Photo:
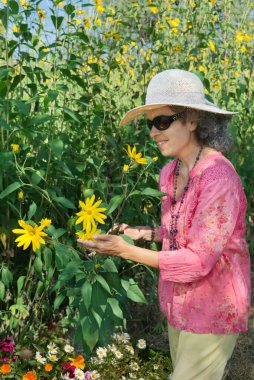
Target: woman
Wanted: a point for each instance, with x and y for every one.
(204, 286)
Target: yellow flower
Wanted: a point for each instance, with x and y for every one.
(20, 195)
(15, 29)
(29, 235)
(15, 147)
(79, 362)
(77, 21)
(126, 168)
(87, 22)
(100, 9)
(4, 1)
(89, 233)
(45, 50)
(243, 49)
(24, 3)
(192, 4)
(90, 212)
(202, 69)
(211, 46)
(41, 14)
(247, 38)
(60, 4)
(239, 37)
(155, 159)
(45, 222)
(98, 22)
(154, 10)
(132, 153)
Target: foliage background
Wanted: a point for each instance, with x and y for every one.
(68, 74)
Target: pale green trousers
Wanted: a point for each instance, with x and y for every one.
(199, 356)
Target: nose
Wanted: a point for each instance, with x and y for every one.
(154, 132)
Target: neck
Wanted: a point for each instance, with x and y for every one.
(189, 158)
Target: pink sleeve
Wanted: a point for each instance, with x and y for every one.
(212, 225)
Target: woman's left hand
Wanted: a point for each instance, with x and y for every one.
(106, 244)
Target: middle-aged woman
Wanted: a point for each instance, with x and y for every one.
(204, 283)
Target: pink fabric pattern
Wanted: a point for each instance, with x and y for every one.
(204, 285)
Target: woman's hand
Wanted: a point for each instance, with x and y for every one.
(135, 233)
(106, 245)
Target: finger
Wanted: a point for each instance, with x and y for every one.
(102, 237)
(87, 243)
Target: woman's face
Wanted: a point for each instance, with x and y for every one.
(179, 139)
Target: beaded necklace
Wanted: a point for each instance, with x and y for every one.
(175, 214)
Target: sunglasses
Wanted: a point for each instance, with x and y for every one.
(163, 122)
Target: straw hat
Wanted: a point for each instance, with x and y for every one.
(174, 88)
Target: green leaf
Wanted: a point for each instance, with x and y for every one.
(47, 256)
(57, 21)
(13, 7)
(65, 202)
(7, 276)
(37, 176)
(134, 293)
(69, 9)
(38, 266)
(103, 283)
(114, 304)
(37, 120)
(114, 203)
(58, 301)
(32, 210)
(53, 94)
(21, 106)
(152, 192)
(127, 239)
(86, 292)
(20, 284)
(57, 147)
(14, 186)
(109, 265)
(2, 291)
(90, 332)
(97, 317)
(71, 114)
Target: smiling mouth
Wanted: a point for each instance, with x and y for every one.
(161, 142)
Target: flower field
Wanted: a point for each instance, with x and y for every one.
(69, 70)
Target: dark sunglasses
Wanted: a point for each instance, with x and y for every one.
(163, 122)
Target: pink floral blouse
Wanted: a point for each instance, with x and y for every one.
(204, 285)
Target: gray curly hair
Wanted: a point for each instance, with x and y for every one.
(212, 129)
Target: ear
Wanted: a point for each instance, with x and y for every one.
(193, 124)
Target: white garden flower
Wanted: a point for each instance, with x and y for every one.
(134, 366)
(79, 374)
(112, 347)
(101, 352)
(130, 349)
(132, 375)
(52, 358)
(65, 377)
(52, 349)
(155, 367)
(94, 375)
(118, 354)
(141, 344)
(124, 338)
(40, 358)
(68, 348)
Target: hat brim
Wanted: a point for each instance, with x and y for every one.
(141, 110)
